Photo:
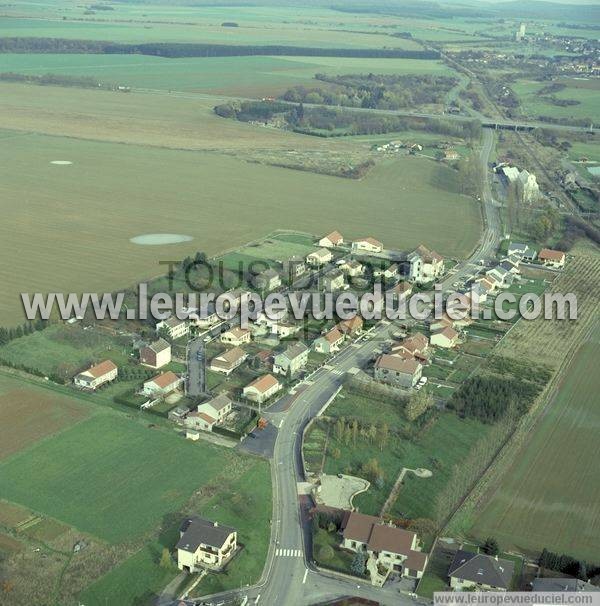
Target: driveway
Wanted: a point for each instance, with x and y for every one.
(339, 492)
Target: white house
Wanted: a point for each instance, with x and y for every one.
(330, 342)
(236, 336)
(335, 238)
(162, 384)
(334, 280)
(268, 280)
(97, 375)
(445, 337)
(367, 245)
(218, 408)
(319, 257)
(292, 360)
(174, 327)
(262, 389)
(424, 265)
(156, 355)
(227, 361)
(204, 545)
(352, 268)
(552, 258)
(524, 251)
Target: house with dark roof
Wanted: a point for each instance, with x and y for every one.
(204, 545)
(524, 251)
(389, 549)
(480, 572)
(156, 355)
(291, 361)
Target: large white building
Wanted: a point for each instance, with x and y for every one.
(424, 265)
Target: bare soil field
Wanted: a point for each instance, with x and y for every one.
(28, 415)
(12, 515)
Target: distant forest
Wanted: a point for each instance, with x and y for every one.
(177, 50)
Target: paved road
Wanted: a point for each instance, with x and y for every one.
(289, 577)
(195, 384)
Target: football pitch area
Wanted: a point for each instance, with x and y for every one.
(549, 497)
(110, 476)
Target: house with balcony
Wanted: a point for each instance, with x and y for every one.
(204, 544)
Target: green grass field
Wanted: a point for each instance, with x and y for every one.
(244, 503)
(110, 476)
(65, 347)
(256, 76)
(438, 448)
(82, 216)
(533, 104)
(549, 497)
(207, 32)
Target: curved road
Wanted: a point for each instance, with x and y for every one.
(290, 578)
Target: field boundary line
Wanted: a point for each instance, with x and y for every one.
(509, 451)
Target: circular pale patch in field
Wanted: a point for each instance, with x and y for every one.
(61, 162)
(160, 239)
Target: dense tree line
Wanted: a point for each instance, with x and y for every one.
(8, 334)
(52, 80)
(329, 121)
(506, 386)
(576, 228)
(488, 398)
(375, 91)
(569, 565)
(192, 49)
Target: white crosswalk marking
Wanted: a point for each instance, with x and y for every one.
(288, 553)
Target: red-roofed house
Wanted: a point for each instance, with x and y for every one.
(445, 337)
(352, 327)
(97, 375)
(330, 342)
(552, 258)
(388, 548)
(162, 384)
(262, 389)
(335, 238)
